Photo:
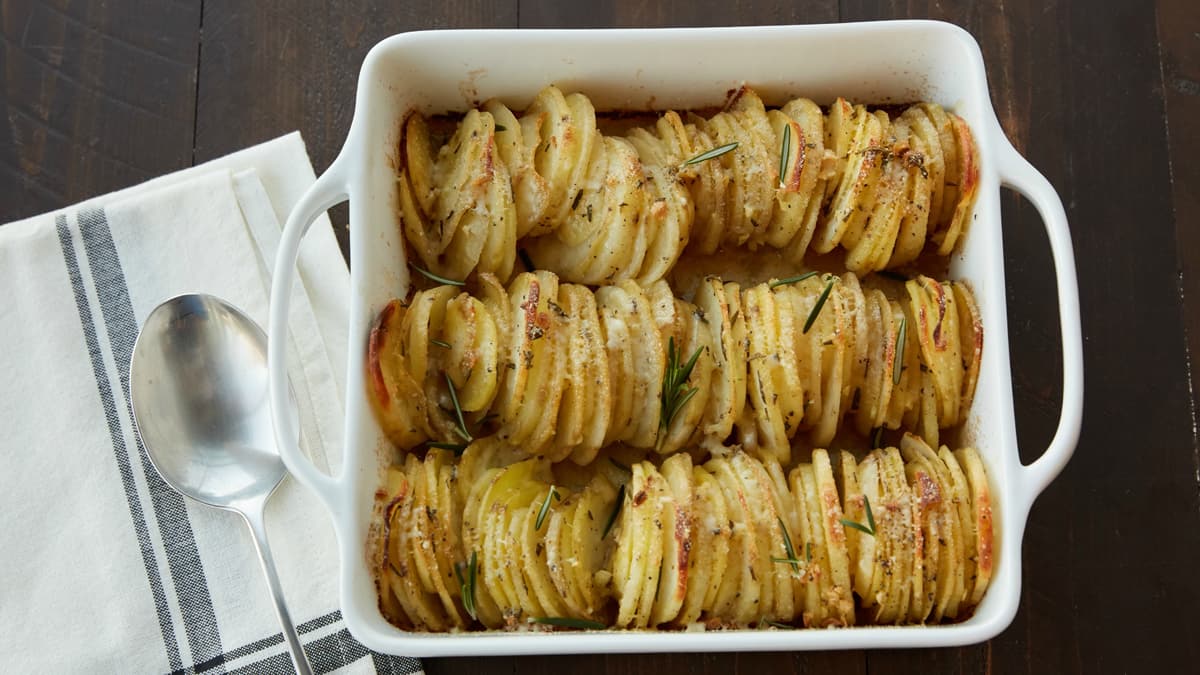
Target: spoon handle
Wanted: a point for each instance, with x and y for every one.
(256, 522)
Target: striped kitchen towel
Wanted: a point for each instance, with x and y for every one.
(103, 568)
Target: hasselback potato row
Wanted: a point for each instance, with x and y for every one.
(903, 536)
(558, 370)
(598, 209)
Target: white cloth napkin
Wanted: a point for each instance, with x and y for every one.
(104, 569)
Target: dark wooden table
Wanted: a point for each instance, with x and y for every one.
(1103, 97)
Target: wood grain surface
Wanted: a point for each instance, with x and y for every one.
(1102, 97)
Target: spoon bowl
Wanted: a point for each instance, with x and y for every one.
(198, 384)
(198, 387)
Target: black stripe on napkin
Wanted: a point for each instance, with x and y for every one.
(118, 440)
(327, 654)
(168, 507)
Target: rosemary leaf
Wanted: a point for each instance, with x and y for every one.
(441, 343)
(791, 560)
(778, 625)
(715, 152)
(541, 516)
(433, 277)
(784, 152)
(674, 393)
(876, 437)
(870, 528)
(787, 544)
(467, 585)
(858, 526)
(816, 310)
(457, 448)
(501, 127)
(792, 280)
(898, 356)
(612, 517)
(461, 429)
(569, 622)
(619, 465)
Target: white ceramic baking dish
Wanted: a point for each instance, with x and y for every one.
(658, 69)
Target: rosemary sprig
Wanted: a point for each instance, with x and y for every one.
(541, 516)
(764, 621)
(898, 357)
(525, 259)
(816, 310)
(569, 622)
(787, 546)
(441, 343)
(434, 277)
(715, 152)
(784, 152)
(792, 280)
(461, 429)
(870, 527)
(466, 586)
(456, 448)
(675, 393)
(612, 517)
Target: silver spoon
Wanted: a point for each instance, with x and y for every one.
(198, 384)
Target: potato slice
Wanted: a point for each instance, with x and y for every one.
(981, 522)
(727, 327)
(532, 559)
(738, 593)
(530, 191)
(937, 332)
(898, 527)
(923, 128)
(813, 573)
(473, 358)
(871, 581)
(710, 181)
(563, 135)
(560, 555)
(914, 223)
(715, 519)
(649, 364)
(762, 331)
(588, 545)
(586, 404)
(840, 600)
(791, 201)
(968, 185)
(778, 599)
(642, 515)
(944, 129)
(397, 399)
(876, 391)
(854, 195)
(874, 247)
(677, 539)
(970, 341)
(929, 506)
(960, 492)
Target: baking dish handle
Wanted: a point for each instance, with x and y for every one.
(1017, 173)
(328, 190)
